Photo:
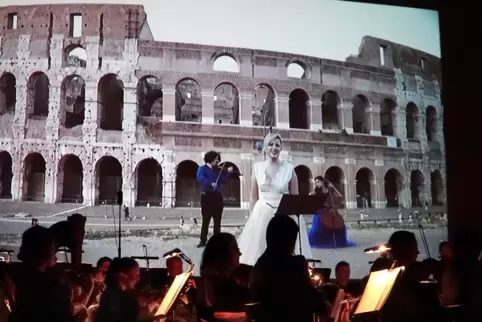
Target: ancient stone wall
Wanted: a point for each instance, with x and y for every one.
(90, 110)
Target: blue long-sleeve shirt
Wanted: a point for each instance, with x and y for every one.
(207, 176)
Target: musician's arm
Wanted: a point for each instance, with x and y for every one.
(201, 177)
(293, 187)
(254, 194)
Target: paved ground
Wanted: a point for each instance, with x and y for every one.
(13, 219)
(39, 210)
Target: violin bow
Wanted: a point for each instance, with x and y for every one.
(220, 171)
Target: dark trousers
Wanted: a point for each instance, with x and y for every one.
(212, 206)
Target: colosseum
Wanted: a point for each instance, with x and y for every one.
(91, 104)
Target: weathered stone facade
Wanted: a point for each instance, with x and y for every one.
(86, 113)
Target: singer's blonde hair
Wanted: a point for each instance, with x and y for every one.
(270, 138)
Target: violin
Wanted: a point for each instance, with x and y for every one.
(223, 168)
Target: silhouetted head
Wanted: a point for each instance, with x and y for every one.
(381, 263)
(319, 181)
(403, 247)
(445, 251)
(221, 255)
(124, 272)
(38, 249)
(174, 265)
(342, 272)
(281, 235)
(212, 157)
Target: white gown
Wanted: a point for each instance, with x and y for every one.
(252, 241)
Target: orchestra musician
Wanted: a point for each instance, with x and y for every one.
(212, 178)
(39, 295)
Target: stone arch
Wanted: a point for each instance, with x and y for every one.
(330, 101)
(8, 93)
(108, 180)
(296, 69)
(34, 168)
(75, 56)
(336, 176)
(38, 87)
(188, 101)
(412, 115)
(264, 107)
(388, 117)
(226, 63)
(70, 171)
(305, 179)
(360, 115)
(149, 97)
(393, 187)
(226, 104)
(72, 101)
(416, 188)
(437, 188)
(110, 102)
(364, 181)
(188, 193)
(6, 175)
(431, 124)
(232, 188)
(299, 109)
(149, 183)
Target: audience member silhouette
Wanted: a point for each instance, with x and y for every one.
(280, 282)
(221, 298)
(408, 300)
(39, 294)
(117, 304)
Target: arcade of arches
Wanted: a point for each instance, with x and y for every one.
(151, 187)
(296, 109)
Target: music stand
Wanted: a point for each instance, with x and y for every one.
(300, 205)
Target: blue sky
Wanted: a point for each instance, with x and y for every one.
(322, 28)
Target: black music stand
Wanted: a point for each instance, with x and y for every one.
(300, 205)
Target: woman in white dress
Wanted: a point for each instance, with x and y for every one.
(270, 180)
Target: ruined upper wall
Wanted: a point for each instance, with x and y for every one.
(409, 60)
(110, 21)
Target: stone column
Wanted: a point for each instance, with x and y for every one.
(129, 117)
(373, 120)
(50, 174)
(20, 118)
(375, 194)
(208, 105)
(246, 168)
(246, 108)
(345, 116)
(406, 195)
(169, 102)
(92, 46)
(17, 169)
(88, 183)
(169, 180)
(319, 166)
(89, 128)
(350, 194)
(53, 119)
(315, 114)
(127, 182)
(350, 187)
(282, 113)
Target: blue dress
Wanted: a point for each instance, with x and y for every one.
(321, 237)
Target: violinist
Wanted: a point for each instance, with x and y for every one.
(212, 178)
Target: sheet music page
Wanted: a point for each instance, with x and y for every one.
(173, 293)
(391, 277)
(335, 309)
(373, 291)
